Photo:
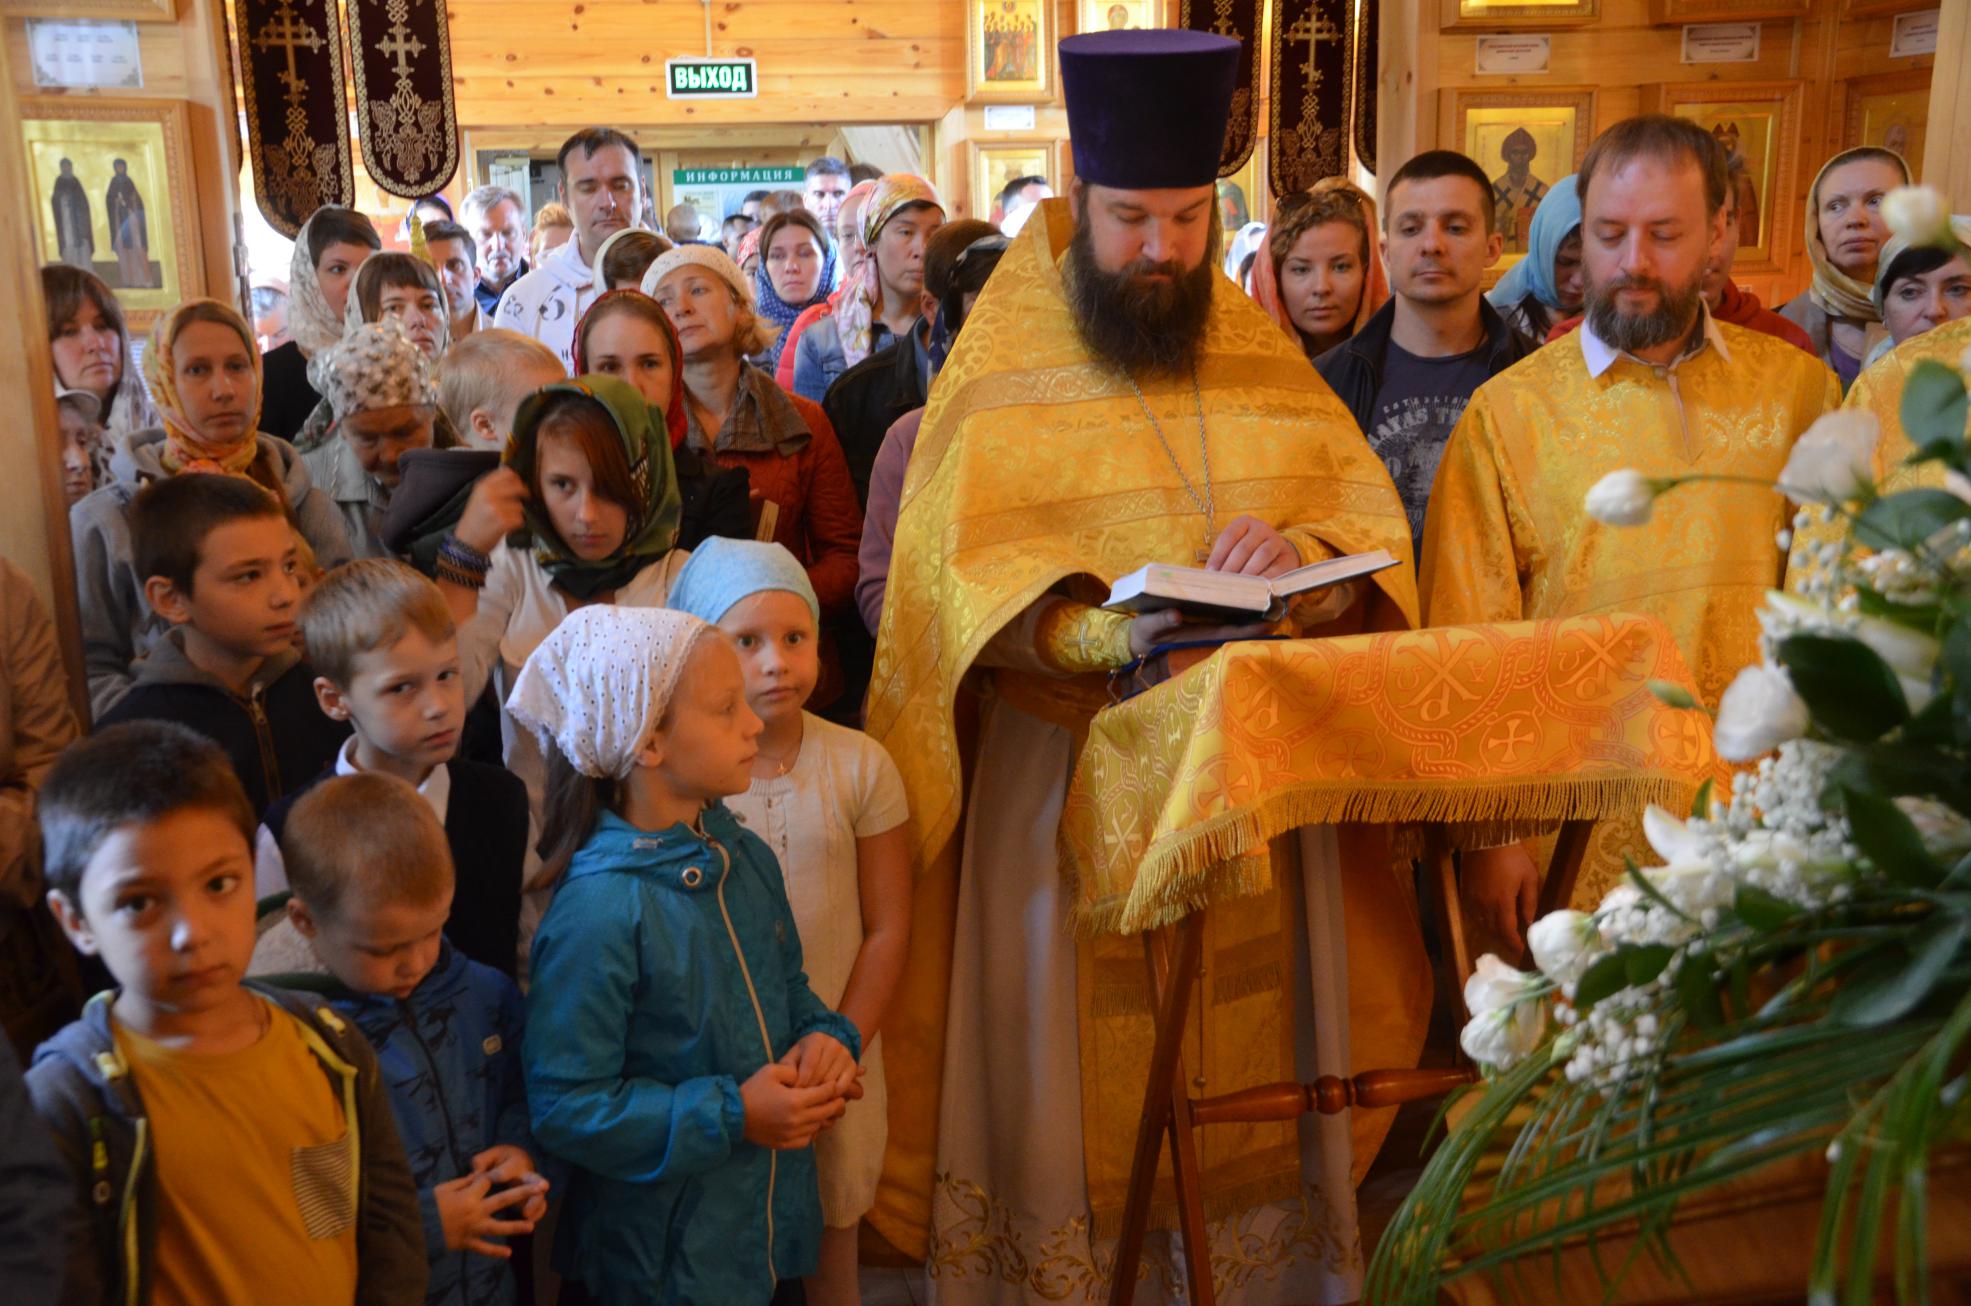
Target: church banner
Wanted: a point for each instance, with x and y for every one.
(1238, 19)
(402, 53)
(1362, 113)
(1313, 66)
(297, 121)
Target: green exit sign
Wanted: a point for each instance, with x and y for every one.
(711, 79)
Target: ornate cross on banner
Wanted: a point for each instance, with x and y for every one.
(1308, 112)
(1238, 19)
(404, 109)
(297, 121)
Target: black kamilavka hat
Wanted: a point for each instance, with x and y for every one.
(1147, 109)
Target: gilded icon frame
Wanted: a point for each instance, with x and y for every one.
(153, 137)
(984, 53)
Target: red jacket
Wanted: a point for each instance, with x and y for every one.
(1738, 306)
(783, 371)
(819, 521)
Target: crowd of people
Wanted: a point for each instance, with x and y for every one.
(534, 705)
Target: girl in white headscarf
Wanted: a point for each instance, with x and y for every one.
(328, 249)
(669, 1018)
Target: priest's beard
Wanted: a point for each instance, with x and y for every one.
(1673, 317)
(1142, 327)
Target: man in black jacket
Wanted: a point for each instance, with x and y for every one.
(1407, 375)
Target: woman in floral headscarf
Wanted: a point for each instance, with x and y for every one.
(328, 249)
(378, 384)
(879, 303)
(204, 376)
(588, 478)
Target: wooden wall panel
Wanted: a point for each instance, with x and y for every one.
(553, 63)
(1621, 54)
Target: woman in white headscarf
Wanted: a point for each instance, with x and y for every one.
(328, 249)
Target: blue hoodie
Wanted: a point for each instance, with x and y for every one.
(450, 1057)
(666, 971)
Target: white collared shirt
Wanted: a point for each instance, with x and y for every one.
(1600, 355)
(270, 868)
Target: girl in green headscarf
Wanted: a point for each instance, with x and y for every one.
(584, 510)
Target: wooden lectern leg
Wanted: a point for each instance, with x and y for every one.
(1186, 1176)
(1557, 890)
(1171, 999)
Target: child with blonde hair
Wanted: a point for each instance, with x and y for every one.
(676, 1057)
(829, 803)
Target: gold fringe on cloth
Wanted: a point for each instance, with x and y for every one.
(297, 120)
(401, 52)
(1504, 728)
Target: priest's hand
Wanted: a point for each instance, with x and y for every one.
(1169, 627)
(1500, 890)
(1249, 547)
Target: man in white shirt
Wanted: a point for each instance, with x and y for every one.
(602, 186)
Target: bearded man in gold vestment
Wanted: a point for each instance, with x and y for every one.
(1649, 381)
(1113, 402)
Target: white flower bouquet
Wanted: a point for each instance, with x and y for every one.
(1795, 977)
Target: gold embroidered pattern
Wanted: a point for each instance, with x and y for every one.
(975, 1235)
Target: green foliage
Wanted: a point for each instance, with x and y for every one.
(1848, 687)
(1837, 1023)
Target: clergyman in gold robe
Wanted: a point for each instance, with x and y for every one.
(1649, 381)
(1112, 401)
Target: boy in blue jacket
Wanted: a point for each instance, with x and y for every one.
(372, 883)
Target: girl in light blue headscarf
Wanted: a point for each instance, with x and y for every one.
(1547, 285)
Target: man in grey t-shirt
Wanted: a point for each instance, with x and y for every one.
(1408, 374)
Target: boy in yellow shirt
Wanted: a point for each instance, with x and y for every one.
(227, 1142)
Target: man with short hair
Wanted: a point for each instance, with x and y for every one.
(681, 224)
(455, 257)
(1653, 382)
(827, 183)
(1727, 300)
(732, 233)
(496, 217)
(1114, 402)
(602, 186)
(750, 206)
(1408, 373)
(898, 220)
(1020, 192)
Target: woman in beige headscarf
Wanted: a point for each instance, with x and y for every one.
(1845, 233)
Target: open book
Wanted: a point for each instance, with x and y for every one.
(1222, 595)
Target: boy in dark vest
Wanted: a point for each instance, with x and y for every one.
(385, 653)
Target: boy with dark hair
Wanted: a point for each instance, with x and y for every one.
(220, 563)
(386, 658)
(224, 1141)
(372, 886)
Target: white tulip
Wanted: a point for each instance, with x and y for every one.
(1621, 498)
(1561, 942)
(1920, 216)
(1908, 652)
(1835, 460)
(1758, 713)
(1693, 888)
(1674, 841)
(1494, 985)
(1501, 1038)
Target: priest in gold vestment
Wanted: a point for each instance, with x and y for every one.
(1112, 401)
(1649, 381)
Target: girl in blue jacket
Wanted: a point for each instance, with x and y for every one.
(676, 1057)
